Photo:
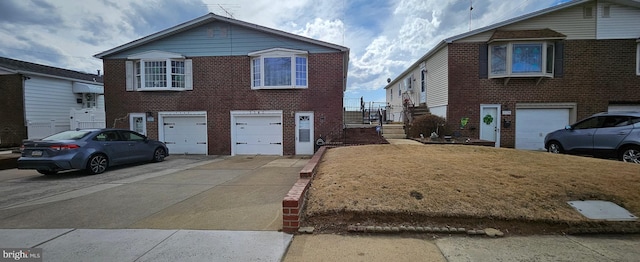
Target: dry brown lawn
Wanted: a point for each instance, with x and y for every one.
(414, 182)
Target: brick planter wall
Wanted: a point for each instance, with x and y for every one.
(293, 203)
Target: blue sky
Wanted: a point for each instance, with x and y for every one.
(384, 36)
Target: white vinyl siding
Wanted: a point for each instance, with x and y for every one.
(47, 102)
(570, 22)
(622, 22)
(438, 80)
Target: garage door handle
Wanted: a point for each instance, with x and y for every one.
(240, 143)
(276, 143)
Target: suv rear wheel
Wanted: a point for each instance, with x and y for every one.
(630, 154)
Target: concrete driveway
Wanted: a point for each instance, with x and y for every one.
(192, 192)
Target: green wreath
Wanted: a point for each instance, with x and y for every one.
(488, 119)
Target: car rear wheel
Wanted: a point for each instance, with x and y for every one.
(47, 172)
(159, 154)
(554, 147)
(97, 164)
(630, 154)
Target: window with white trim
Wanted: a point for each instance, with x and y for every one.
(159, 71)
(279, 68)
(521, 59)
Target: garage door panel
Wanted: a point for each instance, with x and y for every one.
(532, 125)
(185, 134)
(258, 135)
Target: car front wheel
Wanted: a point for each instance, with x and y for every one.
(631, 154)
(554, 147)
(159, 154)
(97, 164)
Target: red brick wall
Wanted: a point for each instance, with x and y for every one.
(223, 84)
(596, 73)
(12, 129)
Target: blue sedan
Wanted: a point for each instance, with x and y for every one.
(93, 150)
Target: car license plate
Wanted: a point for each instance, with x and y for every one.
(36, 153)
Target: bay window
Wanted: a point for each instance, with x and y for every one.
(521, 59)
(158, 71)
(279, 68)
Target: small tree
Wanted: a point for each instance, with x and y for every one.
(427, 124)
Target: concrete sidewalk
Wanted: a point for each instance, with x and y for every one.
(148, 245)
(336, 248)
(220, 245)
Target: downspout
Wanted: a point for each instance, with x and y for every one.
(24, 105)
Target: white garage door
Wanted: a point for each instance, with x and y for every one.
(185, 134)
(618, 108)
(258, 135)
(532, 125)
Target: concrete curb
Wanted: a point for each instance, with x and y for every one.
(293, 202)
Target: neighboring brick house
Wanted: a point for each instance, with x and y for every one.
(220, 86)
(39, 100)
(515, 81)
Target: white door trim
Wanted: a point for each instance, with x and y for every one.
(143, 116)
(497, 119)
(305, 148)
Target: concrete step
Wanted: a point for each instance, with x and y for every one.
(393, 131)
(394, 136)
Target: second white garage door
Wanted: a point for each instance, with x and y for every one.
(185, 134)
(257, 135)
(532, 125)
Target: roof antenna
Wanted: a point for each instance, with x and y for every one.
(470, 9)
(225, 10)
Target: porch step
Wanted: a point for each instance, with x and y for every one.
(419, 111)
(393, 131)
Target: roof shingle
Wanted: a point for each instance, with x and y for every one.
(22, 66)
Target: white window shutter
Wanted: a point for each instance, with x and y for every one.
(188, 75)
(129, 75)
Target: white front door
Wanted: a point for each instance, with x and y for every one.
(490, 123)
(304, 133)
(138, 123)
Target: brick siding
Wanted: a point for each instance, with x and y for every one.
(596, 73)
(223, 84)
(13, 129)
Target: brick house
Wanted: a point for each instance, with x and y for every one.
(220, 86)
(515, 81)
(39, 100)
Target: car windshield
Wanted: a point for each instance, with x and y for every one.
(68, 135)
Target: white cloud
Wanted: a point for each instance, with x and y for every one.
(384, 36)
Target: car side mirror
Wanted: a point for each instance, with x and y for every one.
(568, 127)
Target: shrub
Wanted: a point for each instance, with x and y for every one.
(427, 124)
